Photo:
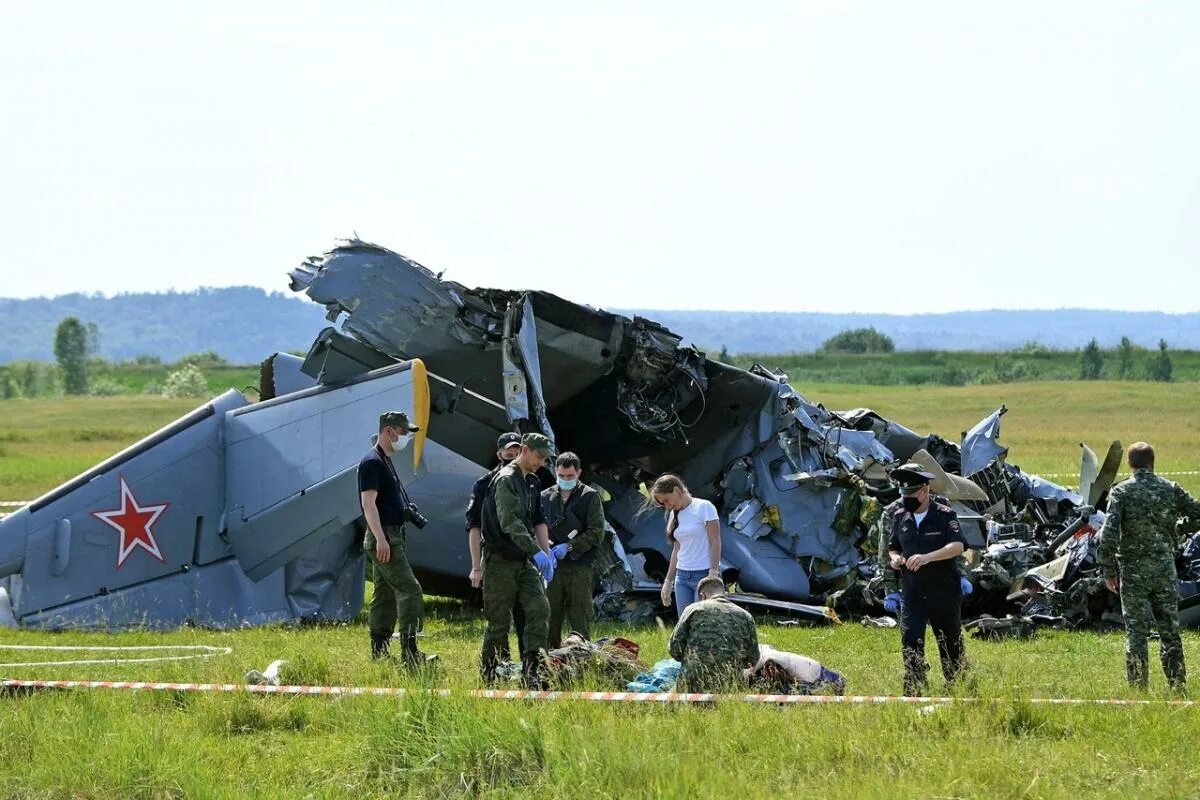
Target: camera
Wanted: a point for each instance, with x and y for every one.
(416, 517)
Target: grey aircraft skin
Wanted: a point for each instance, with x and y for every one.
(247, 513)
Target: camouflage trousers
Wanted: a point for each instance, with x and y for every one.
(1149, 596)
(397, 596)
(570, 596)
(505, 583)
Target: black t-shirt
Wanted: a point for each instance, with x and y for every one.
(377, 472)
(939, 528)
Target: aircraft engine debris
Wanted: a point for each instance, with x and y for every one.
(246, 513)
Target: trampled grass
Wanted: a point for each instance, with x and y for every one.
(107, 744)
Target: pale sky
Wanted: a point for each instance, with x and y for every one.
(841, 156)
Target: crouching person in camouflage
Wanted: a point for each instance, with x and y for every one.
(714, 640)
(1137, 557)
(516, 562)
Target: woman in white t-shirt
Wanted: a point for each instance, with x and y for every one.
(695, 536)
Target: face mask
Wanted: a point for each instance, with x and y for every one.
(401, 441)
(911, 504)
(567, 485)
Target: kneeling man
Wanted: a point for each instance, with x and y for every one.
(715, 641)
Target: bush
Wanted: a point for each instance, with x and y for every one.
(953, 376)
(209, 358)
(859, 340)
(187, 381)
(106, 387)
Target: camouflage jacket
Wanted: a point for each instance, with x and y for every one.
(511, 511)
(1139, 531)
(714, 640)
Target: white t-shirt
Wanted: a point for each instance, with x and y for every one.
(692, 536)
(921, 517)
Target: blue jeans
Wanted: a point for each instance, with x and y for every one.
(686, 581)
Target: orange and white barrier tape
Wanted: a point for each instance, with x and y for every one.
(608, 697)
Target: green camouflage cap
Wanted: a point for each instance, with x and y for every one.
(539, 442)
(396, 419)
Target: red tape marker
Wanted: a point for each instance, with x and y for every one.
(606, 697)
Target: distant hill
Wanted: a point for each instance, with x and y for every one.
(1062, 329)
(246, 324)
(242, 323)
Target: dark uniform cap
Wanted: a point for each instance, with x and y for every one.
(396, 419)
(507, 440)
(539, 442)
(911, 477)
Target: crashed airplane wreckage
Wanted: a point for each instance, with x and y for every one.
(247, 513)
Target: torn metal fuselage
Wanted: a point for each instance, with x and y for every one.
(634, 402)
(246, 513)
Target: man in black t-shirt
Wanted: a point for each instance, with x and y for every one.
(397, 596)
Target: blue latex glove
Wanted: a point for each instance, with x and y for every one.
(891, 602)
(965, 585)
(559, 551)
(545, 564)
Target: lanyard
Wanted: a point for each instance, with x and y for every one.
(391, 468)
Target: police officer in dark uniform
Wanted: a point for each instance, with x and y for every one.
(507, 447)
(925, 538)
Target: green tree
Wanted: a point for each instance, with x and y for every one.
(1125, 359)
(1091, 362)
(71, 350)
(1159, 368)
(28, 380)
(859, 340)
(8, 387)
(723, 356)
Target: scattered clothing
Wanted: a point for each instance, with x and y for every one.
(662, 677)
(781, 672)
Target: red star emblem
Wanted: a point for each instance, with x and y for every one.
(134, 523)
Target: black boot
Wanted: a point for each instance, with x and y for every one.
(379, 647)
(535, 673)
(413, 657)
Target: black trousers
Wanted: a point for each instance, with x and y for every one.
(940, 610)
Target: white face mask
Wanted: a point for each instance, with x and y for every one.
(402, 441)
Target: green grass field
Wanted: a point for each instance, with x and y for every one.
(117, 745)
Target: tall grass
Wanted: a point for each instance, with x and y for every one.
(121, 745)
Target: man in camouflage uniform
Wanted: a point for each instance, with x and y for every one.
(508, 446)
(516, 562)
(714, 640)
(575, 516)
(386, 507)
(1137, 558)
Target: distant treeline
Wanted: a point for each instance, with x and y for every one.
(245, 325)
(148, 375)
(144, 375)
(960, 368)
